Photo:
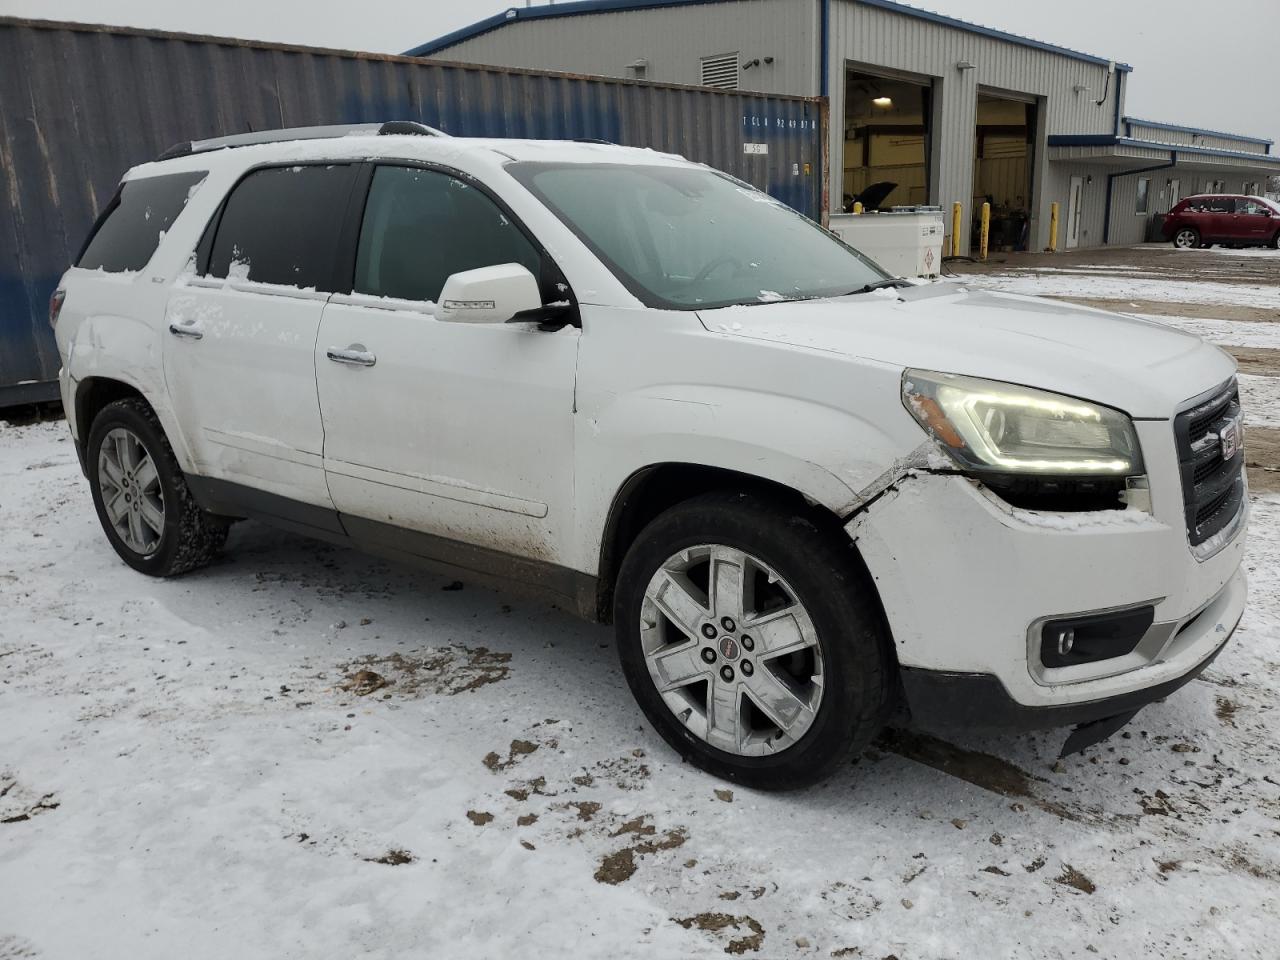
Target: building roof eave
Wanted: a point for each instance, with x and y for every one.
(578, 7)
(1160, 125)
(1122, 146)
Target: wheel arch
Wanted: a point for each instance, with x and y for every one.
(655, 488)
(94, 393)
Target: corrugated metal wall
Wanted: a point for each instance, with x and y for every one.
(1162, 134)
(672, 39)
(80, 105)
(1194, 173)
(1093, 199)
(876, 37)
(1128, 226)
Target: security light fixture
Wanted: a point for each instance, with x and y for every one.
(883, 101)
(964, 65)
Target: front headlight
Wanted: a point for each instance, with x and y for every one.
(992, 427)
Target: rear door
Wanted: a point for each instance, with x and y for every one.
(463, 432)
(239, 351)
(1218, 218)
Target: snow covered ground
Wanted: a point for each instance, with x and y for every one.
(1064, 282)
(1260, 398)
(213, 767)
(303, 752)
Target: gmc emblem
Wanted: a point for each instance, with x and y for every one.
(1229, 437)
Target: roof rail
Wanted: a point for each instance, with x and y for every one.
(300, 133)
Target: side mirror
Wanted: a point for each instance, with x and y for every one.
(488, 294)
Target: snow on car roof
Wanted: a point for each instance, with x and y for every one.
(407, 147)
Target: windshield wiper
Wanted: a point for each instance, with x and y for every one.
(879, 285)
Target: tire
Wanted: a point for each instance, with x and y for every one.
(148, 515)
(1275, 241)
(1186, 238)
(819, 574)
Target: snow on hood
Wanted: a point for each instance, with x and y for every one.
(1143, 368)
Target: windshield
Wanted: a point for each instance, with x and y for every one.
(689, 238)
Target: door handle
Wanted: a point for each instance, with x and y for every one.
(355, 354)
(190, 332)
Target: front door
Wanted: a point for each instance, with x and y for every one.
(1253, 220)
(1074, 204)
(462, 432)
(240, 333)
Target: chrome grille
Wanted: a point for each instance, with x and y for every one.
(1212, 484)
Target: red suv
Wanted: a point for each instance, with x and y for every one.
(1236, 221)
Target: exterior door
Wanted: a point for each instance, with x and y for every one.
(239, 348)
(460, 431)
(1074, 204)
(1220, 218)
(1253, 220)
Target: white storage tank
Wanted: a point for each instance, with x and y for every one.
(906, 241)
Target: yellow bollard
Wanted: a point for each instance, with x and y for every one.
(1053, 227)
(986, 231)
(955, 229)
(857, 206)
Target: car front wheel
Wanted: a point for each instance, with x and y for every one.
(1186, 238)
(141, 495)
(753, 640)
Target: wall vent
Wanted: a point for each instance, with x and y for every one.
(720, 71)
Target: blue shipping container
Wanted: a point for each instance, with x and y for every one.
(81, 104)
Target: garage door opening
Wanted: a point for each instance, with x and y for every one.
(1002, 170)
(886, 141)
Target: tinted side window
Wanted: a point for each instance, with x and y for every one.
(130, 229)
(1220, 205)
(421, 226)
(280, 225)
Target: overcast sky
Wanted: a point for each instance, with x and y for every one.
(1209, 63)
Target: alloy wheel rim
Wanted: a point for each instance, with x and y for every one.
(1184, 239)
(732, 651)
(131, 492)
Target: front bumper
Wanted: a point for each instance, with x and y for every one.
(964, 579)
(939, 699)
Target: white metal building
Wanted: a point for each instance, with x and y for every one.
(941, 109)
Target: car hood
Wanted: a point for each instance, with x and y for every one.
(1143, 368)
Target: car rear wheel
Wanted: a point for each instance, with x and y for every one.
(141, 495)
(1186, 238)
(753, 640)
(1275, 241)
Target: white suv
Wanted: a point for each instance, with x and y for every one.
(806, 494)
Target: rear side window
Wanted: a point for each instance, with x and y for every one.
(421, 226)
(280, 225)
(130, 229)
